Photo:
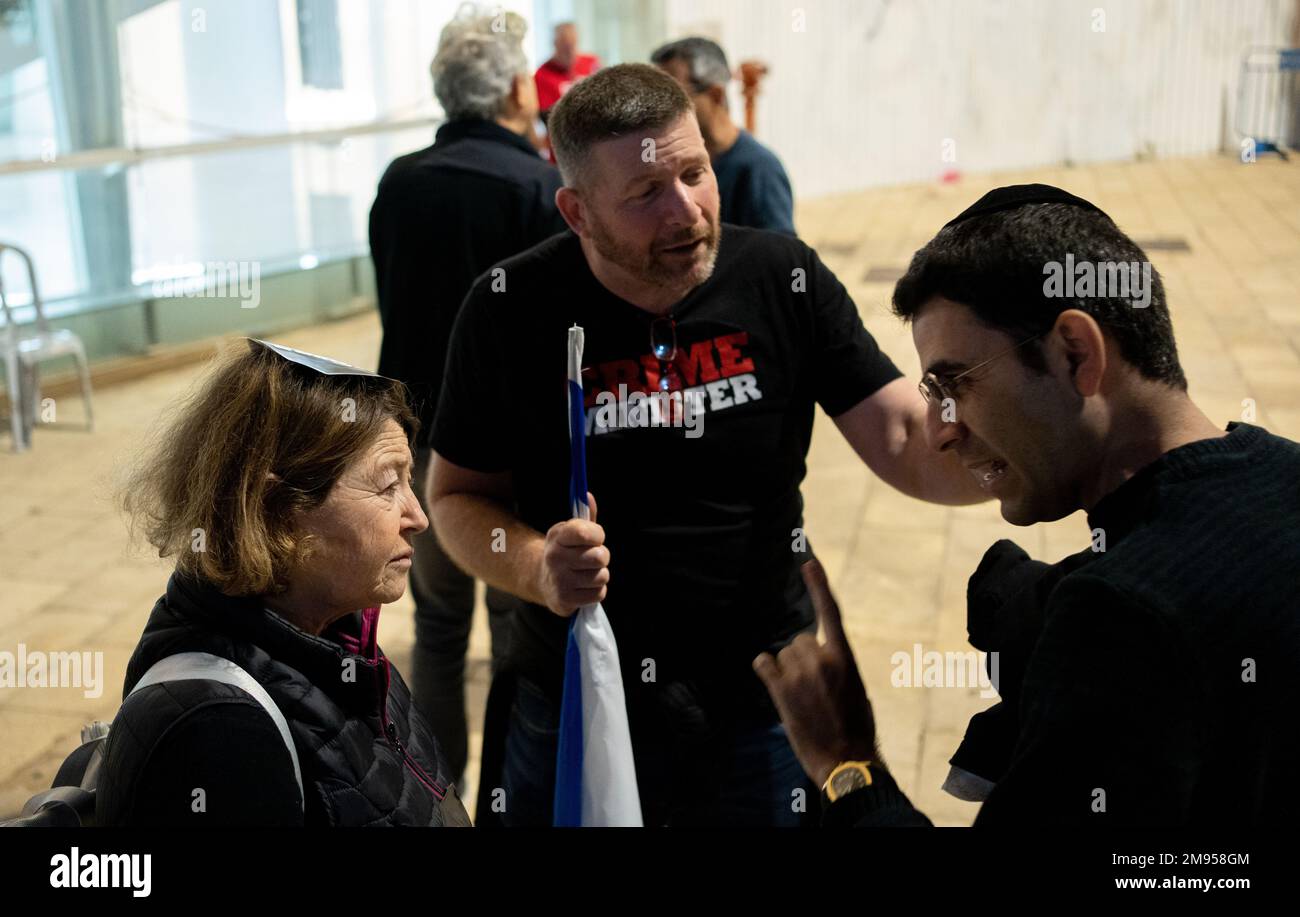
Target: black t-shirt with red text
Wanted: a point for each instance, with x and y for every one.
(697, 489)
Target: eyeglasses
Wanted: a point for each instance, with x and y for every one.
(934, 390)
(663, 344)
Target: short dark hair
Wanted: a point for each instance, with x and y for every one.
(705, 59)
(612, 103)
(994, 264)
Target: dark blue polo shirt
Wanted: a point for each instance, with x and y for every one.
(753, 186)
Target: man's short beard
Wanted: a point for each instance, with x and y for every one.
(649, 267)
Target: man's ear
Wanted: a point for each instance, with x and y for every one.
(569, 202)
(523, 95)
(1085, 349)
(718, 96)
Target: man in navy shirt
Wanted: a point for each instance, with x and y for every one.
(751, 181)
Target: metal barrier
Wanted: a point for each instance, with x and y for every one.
(1267, 99)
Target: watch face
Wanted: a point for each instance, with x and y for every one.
(848, 780)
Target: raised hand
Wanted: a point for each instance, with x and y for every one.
(818, 691)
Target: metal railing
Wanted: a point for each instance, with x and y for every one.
(108, 156)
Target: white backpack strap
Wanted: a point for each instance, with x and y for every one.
(187, 666)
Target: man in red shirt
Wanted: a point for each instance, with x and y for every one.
(565, 68)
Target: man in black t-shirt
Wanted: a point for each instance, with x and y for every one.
(707, 347)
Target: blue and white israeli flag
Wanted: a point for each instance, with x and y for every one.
(595, 779)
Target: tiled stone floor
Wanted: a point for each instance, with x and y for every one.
(70, 580)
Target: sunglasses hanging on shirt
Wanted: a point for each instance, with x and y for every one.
(663, 344)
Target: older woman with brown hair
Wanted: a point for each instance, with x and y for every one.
(258, 693)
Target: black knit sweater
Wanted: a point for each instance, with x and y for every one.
(1162, 687)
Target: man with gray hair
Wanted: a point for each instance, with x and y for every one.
(752, 183)
(443, 216)
(708, 348)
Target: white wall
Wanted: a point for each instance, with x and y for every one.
(869, 91)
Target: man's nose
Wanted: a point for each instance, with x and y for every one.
(682, 208)
(940, 433)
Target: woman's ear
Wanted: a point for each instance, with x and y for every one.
(1085, 349)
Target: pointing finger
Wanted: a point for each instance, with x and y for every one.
(828, 612)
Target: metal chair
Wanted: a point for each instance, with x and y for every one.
(23, 350)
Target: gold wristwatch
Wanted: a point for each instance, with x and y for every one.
(845, 778)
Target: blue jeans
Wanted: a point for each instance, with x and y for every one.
(762, 783)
